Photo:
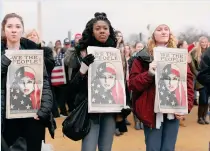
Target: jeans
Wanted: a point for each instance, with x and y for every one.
(203, 97)
(101, 133)
(163, 139)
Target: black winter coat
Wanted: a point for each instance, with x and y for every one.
(203, 76)
(44, 113)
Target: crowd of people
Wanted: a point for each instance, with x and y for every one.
(59, 100)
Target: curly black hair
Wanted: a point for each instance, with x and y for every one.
(87, 36)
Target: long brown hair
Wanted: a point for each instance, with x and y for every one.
(198, 49)
(4, 22)
(171, 43)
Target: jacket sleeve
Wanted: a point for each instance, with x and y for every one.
(46, 100)
(192, 64)
(48, 59)
(204, 74)
(77, 81)
(139, 80)
(5, 62)
(190, 89)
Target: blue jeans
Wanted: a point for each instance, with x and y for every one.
(101, 133)
(163, 139)
(203, 97)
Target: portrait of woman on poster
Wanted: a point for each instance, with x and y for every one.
(24, 92)
(171, 89)
(105, 87)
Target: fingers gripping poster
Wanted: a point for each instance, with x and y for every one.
(171, 80)
(24, 83)
(106, 89)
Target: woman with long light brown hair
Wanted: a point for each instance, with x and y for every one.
(196, 53)
(160, 129)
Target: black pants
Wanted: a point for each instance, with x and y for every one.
(55, 111)
(60, 95)
(31, 130)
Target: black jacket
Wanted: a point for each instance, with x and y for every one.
(44, 112)
(203, 76)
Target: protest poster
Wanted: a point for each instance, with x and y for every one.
(171, 80)
(106, 88)
(24, 83)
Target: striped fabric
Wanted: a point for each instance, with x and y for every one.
(58, 76)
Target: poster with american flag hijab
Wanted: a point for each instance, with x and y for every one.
(171, 80)
(106, 87)
(24, 83)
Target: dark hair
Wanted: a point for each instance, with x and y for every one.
(4, 22)
(180, 43)
(87, 36)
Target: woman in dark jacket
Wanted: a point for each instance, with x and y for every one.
(204, 78)
(31, 129)
(98, 32)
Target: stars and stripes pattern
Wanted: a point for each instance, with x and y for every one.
(20, 101)
(166, 97)
(102, 96)
(58, 76)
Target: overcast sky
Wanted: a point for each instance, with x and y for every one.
(129, 16)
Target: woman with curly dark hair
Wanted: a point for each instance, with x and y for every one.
(98, 32)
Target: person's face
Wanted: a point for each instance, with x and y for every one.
(26, 85)
(67, 46)
(172, 82)
(162, 34)
(185, 45)
(13, 30)
(139, 46)
(127, 51)
(33, 37)
(58, 44)
(77, 38)
(107, 80)
(204, 43)
(119, 37)
(101, 31)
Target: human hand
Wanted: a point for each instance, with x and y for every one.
(36, 117)
(86, 61)
(180, 116)
(152, 68)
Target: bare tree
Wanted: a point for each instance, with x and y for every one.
(192, 34)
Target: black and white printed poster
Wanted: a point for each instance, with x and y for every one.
(24, 83)
(106, 88)
(171, 80)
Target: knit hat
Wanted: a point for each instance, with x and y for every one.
(153, 27)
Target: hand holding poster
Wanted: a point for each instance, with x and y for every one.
(106, 89)
(171, 80)
(24, 83)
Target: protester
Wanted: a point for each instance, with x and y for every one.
(98, 32)
(121, 125)
(66, 43)
(203, 95)
(183, 45)
(33, 35)
(142, 79)
(137, 47)
(204, 76)
(31, 129)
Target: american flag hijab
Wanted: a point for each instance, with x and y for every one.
(167, 97)
(18, 99)
(100, 95)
